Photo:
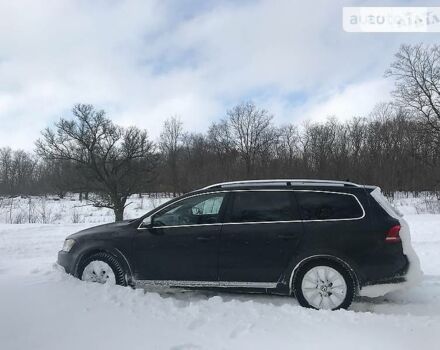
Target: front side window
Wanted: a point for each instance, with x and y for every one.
(328, 206)
(197, 210)
(258, 206)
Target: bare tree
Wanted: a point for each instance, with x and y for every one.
(223, 151)
(250, 131)
(18, 171)
(170, 145)
(63, 176)
(114, 161)
(416, 71)
(5, 169)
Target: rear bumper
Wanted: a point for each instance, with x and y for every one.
(393, 272)
(405, 278)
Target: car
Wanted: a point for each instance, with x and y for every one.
(322, 241)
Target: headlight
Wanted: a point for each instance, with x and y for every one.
(68, 244)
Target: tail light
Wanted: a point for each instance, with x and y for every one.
(392, 235)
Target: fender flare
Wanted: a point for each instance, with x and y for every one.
(109, 250)
(324, 256)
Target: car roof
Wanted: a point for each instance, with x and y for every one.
(276, 184)
(282, 183)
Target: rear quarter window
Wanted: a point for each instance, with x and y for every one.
(328, 205)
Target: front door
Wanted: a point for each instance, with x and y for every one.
(180, 245)
(259, 237)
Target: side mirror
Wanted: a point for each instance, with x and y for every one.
(146, 223)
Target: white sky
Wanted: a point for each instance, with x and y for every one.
(144, 61)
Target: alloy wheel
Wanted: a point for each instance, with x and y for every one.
(324, 287)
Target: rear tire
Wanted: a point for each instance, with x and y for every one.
(102, 268)
(324, 284)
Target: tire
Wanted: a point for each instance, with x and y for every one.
(324, 284)
(102, 268)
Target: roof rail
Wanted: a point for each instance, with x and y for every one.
(286, 182)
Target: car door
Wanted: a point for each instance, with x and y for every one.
(181, 243)
(259, 237)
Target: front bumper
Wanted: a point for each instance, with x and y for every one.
(66, 260)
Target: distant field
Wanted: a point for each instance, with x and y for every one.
(53, 210)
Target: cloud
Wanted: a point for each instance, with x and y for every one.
(355, 100)
(143, 61)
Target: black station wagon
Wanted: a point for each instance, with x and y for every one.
(322, 241)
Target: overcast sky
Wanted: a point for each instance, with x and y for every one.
(144, 61)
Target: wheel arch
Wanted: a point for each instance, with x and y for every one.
(329, 257)
(115, 252)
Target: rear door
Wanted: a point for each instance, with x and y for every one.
(259, 237)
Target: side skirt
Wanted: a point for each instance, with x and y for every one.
(209, 284)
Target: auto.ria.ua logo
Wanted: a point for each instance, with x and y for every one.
(391, 19)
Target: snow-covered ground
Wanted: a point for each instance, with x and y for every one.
(67, 210)
(43, 308)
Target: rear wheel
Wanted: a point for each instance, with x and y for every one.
(102, 268)
(324, 284)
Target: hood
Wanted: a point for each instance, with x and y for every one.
(103, 231)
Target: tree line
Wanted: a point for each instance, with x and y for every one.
(395, 147)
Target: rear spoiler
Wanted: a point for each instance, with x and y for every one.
(370, 188)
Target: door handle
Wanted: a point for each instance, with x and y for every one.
(205, 238)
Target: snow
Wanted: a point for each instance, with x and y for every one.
(43, 308)
(55, 210)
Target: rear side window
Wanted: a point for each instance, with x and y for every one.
(328, 206)
(261, 206)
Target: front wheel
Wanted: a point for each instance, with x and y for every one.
(324, 285)
(101, 268)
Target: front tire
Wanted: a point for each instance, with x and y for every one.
(101, 268)
(324, 284)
